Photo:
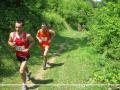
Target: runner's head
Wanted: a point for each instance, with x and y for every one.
(19, 25)
(44, 27)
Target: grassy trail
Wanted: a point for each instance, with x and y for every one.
(71, 70)
(74, 67)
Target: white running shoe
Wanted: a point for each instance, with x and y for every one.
(24, 87)
(48, 65)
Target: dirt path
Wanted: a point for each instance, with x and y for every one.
(40, 72)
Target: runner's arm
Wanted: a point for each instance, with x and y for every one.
(10, 40)
(38, 37)
(31, 40)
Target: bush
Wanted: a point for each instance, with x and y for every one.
(104, 30)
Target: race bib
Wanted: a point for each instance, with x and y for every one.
(20, 48)
(44, 38)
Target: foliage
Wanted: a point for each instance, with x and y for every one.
(104, 27)
(105, 31)
(74, 11)
(108, 72)
(54, 19)
(102, 22)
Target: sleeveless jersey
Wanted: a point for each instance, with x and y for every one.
(45, 37)
(21, 44)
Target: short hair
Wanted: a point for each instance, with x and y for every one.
(44, 24)
(20, 21)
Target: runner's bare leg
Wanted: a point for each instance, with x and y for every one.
(45, 56)
(22, 71)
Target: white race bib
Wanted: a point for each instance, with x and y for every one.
(20, 48)
(44, 38)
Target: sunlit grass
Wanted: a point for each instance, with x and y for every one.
(75, 64)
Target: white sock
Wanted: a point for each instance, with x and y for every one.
(24, 83)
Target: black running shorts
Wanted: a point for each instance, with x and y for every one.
(23, 58)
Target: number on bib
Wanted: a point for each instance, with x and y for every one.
(20, 48)
(44, 38)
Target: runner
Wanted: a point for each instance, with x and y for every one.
(45, 36)
(22, 42)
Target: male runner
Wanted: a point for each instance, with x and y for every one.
(44, 36)
(22, 42)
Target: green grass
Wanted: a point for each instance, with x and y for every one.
(56, 88)
(75, 65)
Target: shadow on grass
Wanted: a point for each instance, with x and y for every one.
(59, 46)
(37, 83)
(8, 65)
(55, 64)
(68, 44)
(7, 72)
